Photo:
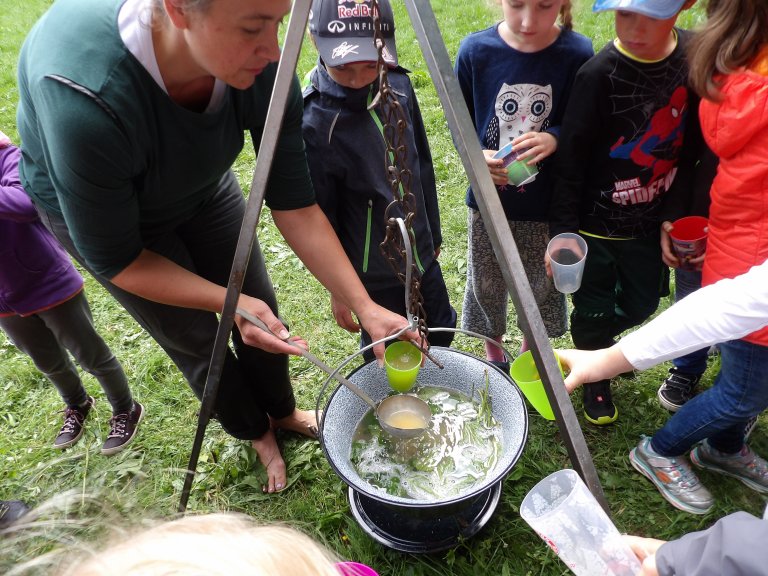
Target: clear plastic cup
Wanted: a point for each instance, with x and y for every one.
(518, 171)
(402, 361)
(567, 255)
(564, 513)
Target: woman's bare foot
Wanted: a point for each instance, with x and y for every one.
(270, 457)
(300, 421)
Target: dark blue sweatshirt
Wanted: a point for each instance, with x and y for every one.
(346, 152)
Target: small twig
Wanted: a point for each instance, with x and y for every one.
(427, 354)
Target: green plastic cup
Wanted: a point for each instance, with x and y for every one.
(525, 374)
(402, 361)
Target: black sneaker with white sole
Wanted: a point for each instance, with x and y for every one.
(677, 389)
(123, 428)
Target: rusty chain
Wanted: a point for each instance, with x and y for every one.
(394, 125)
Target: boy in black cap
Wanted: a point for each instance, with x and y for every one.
(346, 152)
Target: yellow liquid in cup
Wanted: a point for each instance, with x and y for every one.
(404, 361)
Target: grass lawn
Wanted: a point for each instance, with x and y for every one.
(143, 483)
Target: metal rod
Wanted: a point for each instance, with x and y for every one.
(312, 358)
(286, 71)
(466, 142)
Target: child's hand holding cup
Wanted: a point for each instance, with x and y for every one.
(689, 240)
(518, 171)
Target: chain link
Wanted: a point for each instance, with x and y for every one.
(394, 124)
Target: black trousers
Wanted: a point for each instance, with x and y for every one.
(254, 384)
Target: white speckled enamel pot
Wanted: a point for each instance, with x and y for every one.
(414, 525)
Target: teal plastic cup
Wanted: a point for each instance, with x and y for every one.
(402, 361)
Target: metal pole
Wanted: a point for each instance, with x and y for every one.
(286, 72)
(466, 142)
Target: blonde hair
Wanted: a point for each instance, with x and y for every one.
(210, 545)
(734, 34)
(156, 8)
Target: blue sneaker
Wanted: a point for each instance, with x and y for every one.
(673, 477)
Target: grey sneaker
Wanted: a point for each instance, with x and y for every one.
(674, 478)
(123, 429)
(745, 465)
(72, 429)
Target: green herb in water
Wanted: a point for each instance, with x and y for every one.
(461, 446)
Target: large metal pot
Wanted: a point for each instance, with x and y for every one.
(413, 525)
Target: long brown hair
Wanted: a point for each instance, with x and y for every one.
(566, 19)
(734, 33)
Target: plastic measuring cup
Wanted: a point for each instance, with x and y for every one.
(525, 374)
(402, 361)
(567, 254)
(564, 513)
(518, 171)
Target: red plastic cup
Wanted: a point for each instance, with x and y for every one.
(355, 569)
(689, 239)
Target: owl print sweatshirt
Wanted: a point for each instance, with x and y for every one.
(510, 93)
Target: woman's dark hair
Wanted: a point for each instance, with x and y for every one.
(735, 32)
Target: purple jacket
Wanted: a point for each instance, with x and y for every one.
(35, 271)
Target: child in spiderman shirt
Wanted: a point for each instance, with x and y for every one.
(620, 152)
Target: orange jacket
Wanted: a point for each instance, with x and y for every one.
(736, 129)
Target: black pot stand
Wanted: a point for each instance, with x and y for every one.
(423, 530)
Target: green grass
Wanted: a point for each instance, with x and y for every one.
(143, 483)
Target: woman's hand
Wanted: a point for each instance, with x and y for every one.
(380, 323)
(258, 338)
(343, 315)
(533, 147)
(645, 550)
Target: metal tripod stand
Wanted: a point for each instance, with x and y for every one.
(438, 62)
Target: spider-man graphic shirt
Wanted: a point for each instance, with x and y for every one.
(621, 146)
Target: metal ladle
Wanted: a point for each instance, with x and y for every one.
(412, 413)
